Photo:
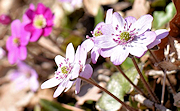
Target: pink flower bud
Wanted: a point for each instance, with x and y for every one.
(5, 19)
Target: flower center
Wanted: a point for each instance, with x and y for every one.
(39, 21)
(16, 41)
(64, 70)
(98, 33)
(125, 36)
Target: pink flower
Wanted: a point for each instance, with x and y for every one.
(125, 36)
(38, 21)
(69, 69)
(89, 43)
(16, 43)
(25, 76)
(5, 19)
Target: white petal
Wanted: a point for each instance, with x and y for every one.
(119, 56)
(75, 71)
(69, 85)
(88, 44)
(95, 54)
(107, 52)
(59, 90)
(137, 50)
(59, 59)
(50, 83)
(118, 20)
(108, 19)
(161, 33)
(70, 52)
(104, 42)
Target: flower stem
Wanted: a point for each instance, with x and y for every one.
(155, 99)
(163, 89)
(103, 89)
(137, 88)
(173, 90)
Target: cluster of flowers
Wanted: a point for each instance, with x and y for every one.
(36, 23)
(117, 38)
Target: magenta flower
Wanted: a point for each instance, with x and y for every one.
(85, 70)
(38, 21)
(89, 43)
(161, 33)
(64, 73)
(124, 37)
(5, 19)
(25, 76)
(16, 43)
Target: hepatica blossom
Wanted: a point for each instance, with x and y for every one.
(25, 76)
(16, 43)
(38, 21)
(125, 36)
(69, 69)
(5, 19)
(89, 43)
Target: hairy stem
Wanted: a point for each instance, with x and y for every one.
(144, 82)
(105, 90)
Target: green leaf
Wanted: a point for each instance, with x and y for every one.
(159, 3)
(127, 64)
(118, 86)
(51, 106)
(161, 17)
(100, 16)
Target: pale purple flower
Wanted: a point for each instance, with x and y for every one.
(124, 37)
(89, 43)
(85, 70)
(5, 19)
(65, 72)
(161, 33)
(16, 43)
(38, 21)
(25, 76)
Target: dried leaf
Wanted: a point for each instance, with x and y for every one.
(140, 7)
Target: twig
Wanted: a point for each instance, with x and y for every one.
(109, 93)
(173, 90)
(163, 88)
(141, 99)
(144, 82)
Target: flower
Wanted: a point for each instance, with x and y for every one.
(161, 33)
(65, 72)
(89, 43)
(38, 21)
(25, 76)
(5, 19)
(124, 37)
(73, 2)
(85, 70)
(16, 43)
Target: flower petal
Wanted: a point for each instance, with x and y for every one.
(12, 56)
(80, 55)
(16, 28)
(70, 52)
(59, 90)
(143, 24)
(22, 52)
(29, 27)
(88, 44)
(78, 85)
(50, 83)
(104, 42)
(119, 56)
(161, 33)
(59, 59)
(118, 20)
(30, 14)
(34, 84)
(40, 8)
(130, 20)
(109, 14)
(137, 49)
(75, 71)
(87, 71)
(95, 54)
(47, 31)
(69, 85)
(36, 35)
(107, 52)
